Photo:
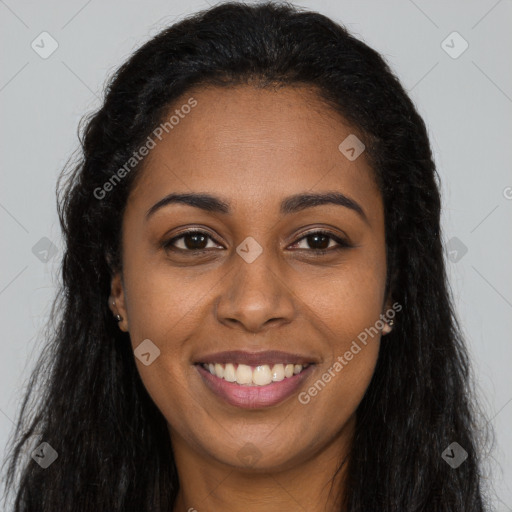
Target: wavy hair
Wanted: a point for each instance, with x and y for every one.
(114, 451)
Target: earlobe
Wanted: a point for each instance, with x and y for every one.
(388, 322)
(116, 302)
(387, 327)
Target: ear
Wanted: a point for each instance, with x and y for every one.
(117, 302)
(387, 328)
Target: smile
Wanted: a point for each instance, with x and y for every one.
(256, 387)
(261, 375)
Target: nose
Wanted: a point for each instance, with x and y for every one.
(255, 297)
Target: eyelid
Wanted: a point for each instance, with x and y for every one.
(168, 243)
(342, 242)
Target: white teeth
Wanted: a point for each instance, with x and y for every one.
(277, 372)
(244, 374)
(229, 373)
(259, 376)
(219, 370)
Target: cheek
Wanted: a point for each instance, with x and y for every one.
(337, 390)
(167, 306)
(162, 307)
(163, 303)
(156, 307)
(349, 324)
(348, 299)
(346, 309)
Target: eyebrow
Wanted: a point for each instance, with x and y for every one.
(289, 205)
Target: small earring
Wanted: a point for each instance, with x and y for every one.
(118, 317)
(391, 322)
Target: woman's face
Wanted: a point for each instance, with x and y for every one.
(254, 280)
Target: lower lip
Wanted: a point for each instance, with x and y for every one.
(253, 397)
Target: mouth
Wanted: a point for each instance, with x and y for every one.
(254, 380)
(261, 375)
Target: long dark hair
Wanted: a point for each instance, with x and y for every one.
(113, 446)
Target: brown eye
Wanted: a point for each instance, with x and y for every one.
(190, 241)
(320, 242)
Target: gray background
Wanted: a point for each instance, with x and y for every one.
(465, 101)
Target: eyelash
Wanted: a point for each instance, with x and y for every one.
(343, 244)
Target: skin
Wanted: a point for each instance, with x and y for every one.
(252, 148)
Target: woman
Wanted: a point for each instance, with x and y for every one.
(255, 311)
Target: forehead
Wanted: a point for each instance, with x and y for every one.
(254, 146)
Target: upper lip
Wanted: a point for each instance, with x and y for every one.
(255, 358)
